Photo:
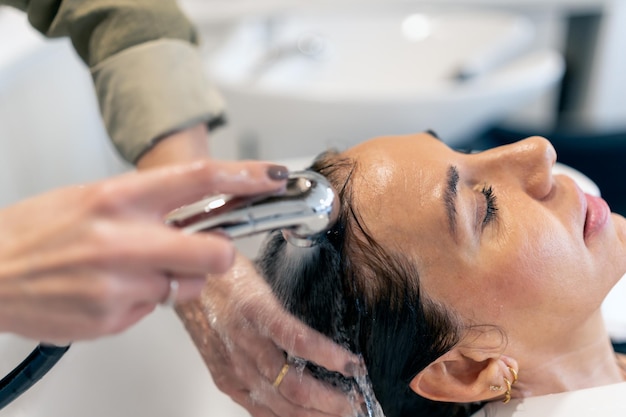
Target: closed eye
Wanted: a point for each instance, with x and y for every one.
(491, 207)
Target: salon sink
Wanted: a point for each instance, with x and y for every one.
(298, 82)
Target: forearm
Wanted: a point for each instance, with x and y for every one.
(151, 92)
(186, 145)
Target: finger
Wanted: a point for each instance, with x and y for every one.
(287, 332)
(301, 388)
(105, 296)
(117, 321)
(299, 340)
(181, 288)
(255, 409)
(164, 288)
(170, 187)
(190, 287)
(63, 326)
(270, 397)
(157, 247)
(191, 254)
(242, 381)
(296, 386)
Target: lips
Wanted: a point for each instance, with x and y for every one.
(597, 216)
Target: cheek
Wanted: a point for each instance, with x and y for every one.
(543, 269)
(531, 271)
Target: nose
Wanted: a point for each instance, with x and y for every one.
(528, 161)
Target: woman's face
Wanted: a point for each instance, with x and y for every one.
(495, 235)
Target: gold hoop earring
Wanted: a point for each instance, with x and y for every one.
(509, 385)
(507, 394)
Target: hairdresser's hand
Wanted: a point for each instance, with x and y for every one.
(86, 261)
(242, 333)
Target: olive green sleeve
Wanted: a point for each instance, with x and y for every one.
(145, 64)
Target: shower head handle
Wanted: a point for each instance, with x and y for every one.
(309, 206)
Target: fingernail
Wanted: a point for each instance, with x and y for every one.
(277, 172)
(364, 409)
(354, 369)
(350, 368)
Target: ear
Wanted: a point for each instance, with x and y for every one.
(464, 375)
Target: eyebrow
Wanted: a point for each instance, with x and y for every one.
(449, 197)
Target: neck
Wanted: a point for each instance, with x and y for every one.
(582, 360)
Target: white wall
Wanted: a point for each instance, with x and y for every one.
(51, 133)
(603, 103)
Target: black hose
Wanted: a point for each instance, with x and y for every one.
(31, 370)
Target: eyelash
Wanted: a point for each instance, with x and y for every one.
(492, 208)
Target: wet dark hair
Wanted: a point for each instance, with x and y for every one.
(366, 298)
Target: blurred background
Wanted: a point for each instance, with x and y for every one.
(299, 77)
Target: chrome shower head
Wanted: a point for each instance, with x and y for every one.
(308, 207)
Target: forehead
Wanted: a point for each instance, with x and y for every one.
(398, 158)
(398, 186)
(396, 146)
(387, 165)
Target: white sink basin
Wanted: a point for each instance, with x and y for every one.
(297, 83)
